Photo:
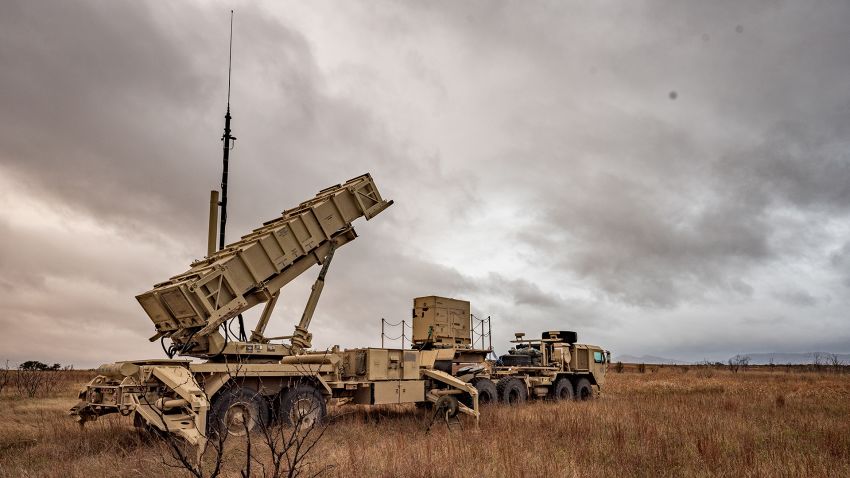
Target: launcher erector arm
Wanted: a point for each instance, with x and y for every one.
(190, 307)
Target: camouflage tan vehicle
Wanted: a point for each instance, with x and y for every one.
(554, 367)
(243, 381)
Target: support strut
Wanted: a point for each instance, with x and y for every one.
(301, 338)
(257, 334)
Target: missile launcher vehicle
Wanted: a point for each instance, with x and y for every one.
(241, 382)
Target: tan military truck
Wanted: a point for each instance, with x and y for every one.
(553, 367)
(241, 382)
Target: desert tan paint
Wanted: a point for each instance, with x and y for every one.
(192, 305)
(441, 321)
(176, 395)
(189, 308)
(441, 327)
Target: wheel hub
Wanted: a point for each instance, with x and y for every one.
(240, 419)
(305, 412)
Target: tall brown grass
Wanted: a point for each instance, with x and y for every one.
(666, 423)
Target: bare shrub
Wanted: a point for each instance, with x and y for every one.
(822, 362)
(618, 367)
(50, 381)
(279, 447)
(204, 460)
(200, 463)
(835, 362)
(35, 379)
(29, 382)
(739, 361)
(5, 376)
(290, 440)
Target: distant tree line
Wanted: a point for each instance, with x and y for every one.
(821, 362)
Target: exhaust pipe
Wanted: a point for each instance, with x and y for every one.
(213, 229)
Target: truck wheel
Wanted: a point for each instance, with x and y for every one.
(487, 393)
(238, 411)
(511, 391)
(563, 389)
(583, 390)
(302, 406)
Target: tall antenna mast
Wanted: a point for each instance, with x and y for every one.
(228, 141)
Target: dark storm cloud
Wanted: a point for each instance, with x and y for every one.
(797, 297)
(840, 261)
(649, 204)
(802, 165)
(90, 91)
(116, 111)
(654, 242)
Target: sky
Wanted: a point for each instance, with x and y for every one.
(665, 178)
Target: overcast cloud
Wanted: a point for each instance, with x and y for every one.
(665, 178)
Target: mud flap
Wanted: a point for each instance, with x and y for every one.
(191, 423)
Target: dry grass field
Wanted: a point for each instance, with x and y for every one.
(673, 421)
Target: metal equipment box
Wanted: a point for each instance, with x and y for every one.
(392, 364)
(398, 391)
(441, 321)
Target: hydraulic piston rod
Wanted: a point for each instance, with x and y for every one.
(301, 338)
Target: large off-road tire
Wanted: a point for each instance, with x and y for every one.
(303, 406)
(487, 393)
(562, 390)
(511, 391)
(583, 390)
(238, 411)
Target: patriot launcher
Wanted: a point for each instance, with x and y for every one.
(193, 308)
(244, 382)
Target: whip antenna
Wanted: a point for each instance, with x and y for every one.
(229, 59)
(228, 140)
